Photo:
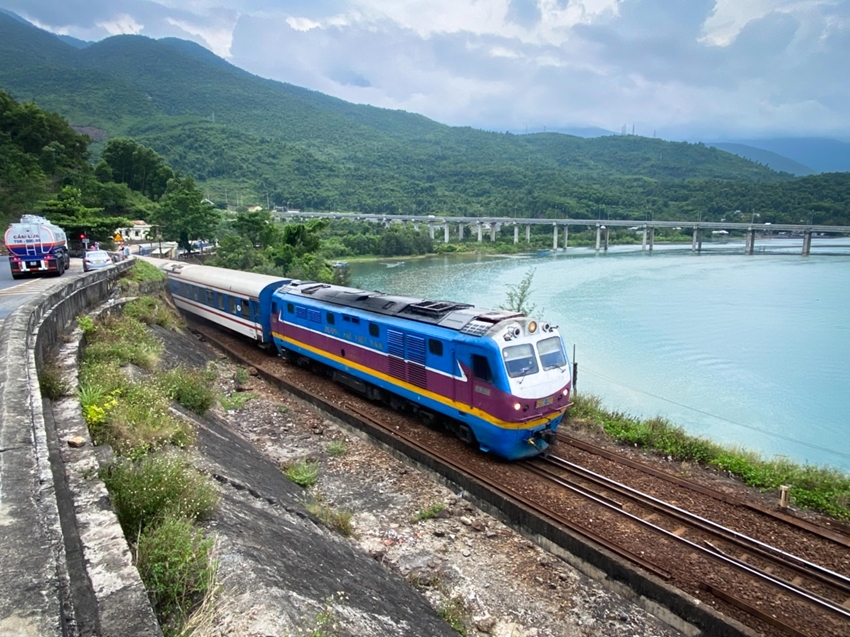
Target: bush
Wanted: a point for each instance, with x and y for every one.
(337, 519)
(157, 487)
(190, 388)
(51, 382)
(151, 311)
(304, 473)
(175, 563)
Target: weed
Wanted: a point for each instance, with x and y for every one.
(336, 448)
(430, 512)
(144, 271)
(190, 388)
(86, 324)
(176, 565)
(157, 487)
(336, 519)
(454, 611)
(235, 401)
(282, 409)
(151, 310)
(818, 488)
(303, 473)
(241, 376)
(51, 382)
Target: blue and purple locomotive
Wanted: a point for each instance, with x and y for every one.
(498, 379)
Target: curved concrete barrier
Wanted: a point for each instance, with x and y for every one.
(65, 567)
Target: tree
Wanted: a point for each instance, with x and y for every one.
(519, 295)
(68, 212)
(183, 216)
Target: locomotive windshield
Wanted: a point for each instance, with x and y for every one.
(551, 353)
(520, 360)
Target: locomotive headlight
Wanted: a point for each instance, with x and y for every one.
(532, 327)
(565, 392)
(517, 406)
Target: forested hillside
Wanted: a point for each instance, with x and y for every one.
(254, 141)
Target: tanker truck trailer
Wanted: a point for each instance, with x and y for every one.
(36, 247)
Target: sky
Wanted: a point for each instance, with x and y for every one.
(708, 70)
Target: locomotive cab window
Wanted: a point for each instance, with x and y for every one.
(373, 330)
(331, 318)
(481, 368)
(520, 360)
(551, 353)
(290, 308)
(435, 347)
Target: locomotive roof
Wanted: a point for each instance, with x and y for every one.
(450, 314)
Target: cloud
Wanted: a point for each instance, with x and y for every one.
(686, 69)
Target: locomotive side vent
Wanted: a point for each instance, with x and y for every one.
(395, 350)
(416, 361)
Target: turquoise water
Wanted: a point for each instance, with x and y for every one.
(746, 350)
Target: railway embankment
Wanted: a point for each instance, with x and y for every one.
(65, 567)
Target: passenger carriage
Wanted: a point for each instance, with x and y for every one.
(238, 301)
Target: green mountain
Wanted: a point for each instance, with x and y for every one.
(773, 160)
(255, 140)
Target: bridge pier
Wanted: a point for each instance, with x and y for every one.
(807, 242)
(516, 234)
(460, 232)
(651, 239)
(750, 242)
(554, 236)
(479, 232)
(493, 232)
(446, 232)
(643, 243)
(431, 230)
(566, 236)
(528, 233)
(696, 240)
(599, 229)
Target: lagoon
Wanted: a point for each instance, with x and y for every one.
(747, 350)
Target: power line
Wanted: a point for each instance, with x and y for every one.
(710, 415)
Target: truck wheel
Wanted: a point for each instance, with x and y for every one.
(60, 267)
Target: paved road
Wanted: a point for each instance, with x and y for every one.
(14, 293)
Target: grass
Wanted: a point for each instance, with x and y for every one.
(158, 486)
(141, 272)
(336, 448)
(821, 489)
(157, 494)
(175, 563)
(303, 473)
(51, 382)
(429, 512)
(337, 519)
(189, 387)
(235, 401)
(454, 611)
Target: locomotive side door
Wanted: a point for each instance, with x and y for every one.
(476, 366)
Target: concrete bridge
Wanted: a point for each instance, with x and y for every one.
(561, 227)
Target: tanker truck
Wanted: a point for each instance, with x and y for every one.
(36, 247)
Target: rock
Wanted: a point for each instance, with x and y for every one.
(466, 521)
(485, 625)
(76, 441)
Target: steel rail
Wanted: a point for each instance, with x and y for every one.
(757, 573)
(767, 551)
(816, 529)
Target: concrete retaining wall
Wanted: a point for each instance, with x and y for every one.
(65, 568)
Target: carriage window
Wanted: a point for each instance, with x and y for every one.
(246, 312)
(331, 318)
(435, 347)
(551, 353)
(221, 301)
(481, 368)
(520, 360)
(232, 305)
(210, 297)
(373, 330)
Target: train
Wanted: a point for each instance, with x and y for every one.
(36, 247)
(499, 380)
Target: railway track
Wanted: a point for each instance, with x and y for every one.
(560, 515)
(795, 579)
